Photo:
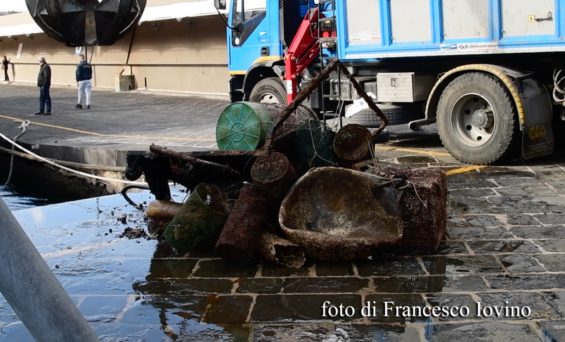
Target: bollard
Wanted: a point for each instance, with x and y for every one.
(32, 290)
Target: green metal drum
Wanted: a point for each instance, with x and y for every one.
(243, 126)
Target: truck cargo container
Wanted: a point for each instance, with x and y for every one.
(488, 72)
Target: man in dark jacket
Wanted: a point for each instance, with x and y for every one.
(44, 83)
(84, 76)
(5, 64)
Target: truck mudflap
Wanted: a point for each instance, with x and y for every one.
(537, 133)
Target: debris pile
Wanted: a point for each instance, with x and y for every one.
(284, 187)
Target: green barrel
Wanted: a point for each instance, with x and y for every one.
(243, 126)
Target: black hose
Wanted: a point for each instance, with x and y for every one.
(129, 200)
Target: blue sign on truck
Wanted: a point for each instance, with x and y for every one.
(488, 72)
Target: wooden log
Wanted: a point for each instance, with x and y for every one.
(280, 251)
(245, 224)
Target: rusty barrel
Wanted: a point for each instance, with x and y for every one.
(247, 221)
(275, 172)
(352, 143)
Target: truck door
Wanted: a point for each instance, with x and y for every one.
(249, 37)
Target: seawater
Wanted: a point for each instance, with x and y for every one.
(25, 190)
(18, 201)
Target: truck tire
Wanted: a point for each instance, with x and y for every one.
(396, 114)
(268, 90)
(476, 119)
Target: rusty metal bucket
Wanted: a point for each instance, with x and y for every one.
(341, 214)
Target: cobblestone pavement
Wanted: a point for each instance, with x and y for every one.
(505, 249)
(122, 121)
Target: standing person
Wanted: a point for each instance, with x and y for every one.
(84, 83)
(44, 83)
(5, 63)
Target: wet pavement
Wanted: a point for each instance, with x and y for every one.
(500, 269)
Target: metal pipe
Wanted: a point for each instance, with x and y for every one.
(32, 290)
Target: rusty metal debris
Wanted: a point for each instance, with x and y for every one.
(280, 251)
(340, 214)
(352, 143)
(424, 209)
(342, 207)
(245, 224)
(274, 172)
(200, 220)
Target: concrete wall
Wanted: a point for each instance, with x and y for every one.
(187, 56)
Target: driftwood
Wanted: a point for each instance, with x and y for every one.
(280, 251)
(245, 224)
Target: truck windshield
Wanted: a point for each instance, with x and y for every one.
(245, 10)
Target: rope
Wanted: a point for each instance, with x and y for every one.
(316, 154)
(80, 173)
(23, 126)
(408, 184)
(373, 154)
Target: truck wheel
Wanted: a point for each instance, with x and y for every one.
(268, 90)
(476, 120)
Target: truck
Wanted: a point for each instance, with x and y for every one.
(488, 73)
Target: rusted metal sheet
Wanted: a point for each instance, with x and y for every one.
(280, 251)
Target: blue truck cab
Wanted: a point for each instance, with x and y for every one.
(257, 34)
(488, 72)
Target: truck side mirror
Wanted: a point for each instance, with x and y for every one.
(220, 4)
